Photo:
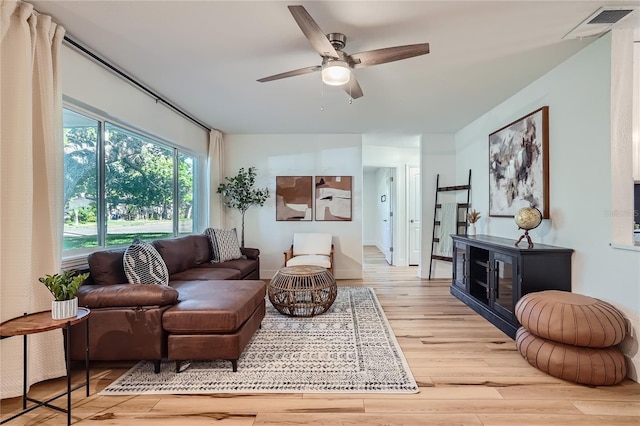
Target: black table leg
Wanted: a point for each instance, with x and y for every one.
(68, 329)
(86, 357)
(24, 373)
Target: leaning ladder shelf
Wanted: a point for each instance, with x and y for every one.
(460, 224)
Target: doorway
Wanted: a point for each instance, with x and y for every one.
(391, 197)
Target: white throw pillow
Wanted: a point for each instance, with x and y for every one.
(224, 244)
(144, 265)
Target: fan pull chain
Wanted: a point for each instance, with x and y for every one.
(350, 97)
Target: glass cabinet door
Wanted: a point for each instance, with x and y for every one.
(460, 266)
(504, 274)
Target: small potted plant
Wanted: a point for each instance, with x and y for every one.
(64, 288)
(472, 217)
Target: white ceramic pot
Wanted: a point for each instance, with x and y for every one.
(63, 309)
(471, 229)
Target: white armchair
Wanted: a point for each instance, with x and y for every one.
(310, 249)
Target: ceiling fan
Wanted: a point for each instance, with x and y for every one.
(336, 64)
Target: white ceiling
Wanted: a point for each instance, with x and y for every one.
(205, 56)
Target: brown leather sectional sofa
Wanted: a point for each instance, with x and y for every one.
(208, 310)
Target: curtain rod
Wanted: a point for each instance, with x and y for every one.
(133, 81)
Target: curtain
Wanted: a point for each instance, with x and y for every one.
(31, 154)
(621, 134)
(216, 177)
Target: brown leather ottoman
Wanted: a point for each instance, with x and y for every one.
(571, 318)
(213, 319)
(571, 336)
(588, 366)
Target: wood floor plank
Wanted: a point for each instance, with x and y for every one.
(609, 408)
(471, 406)
(501, 381)
(525, 371)
(151, 419)
(203, 404)
(396, 419)
(469, 373)
(431, 393)
(41, 417)
(102, 404)
(448, 363)
(624, 391)
(555, 420)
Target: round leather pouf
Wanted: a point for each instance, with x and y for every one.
(588, 366)
(571, 318)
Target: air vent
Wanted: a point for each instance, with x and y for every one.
(601, 21)
(609, 16)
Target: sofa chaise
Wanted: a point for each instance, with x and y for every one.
(207, 311)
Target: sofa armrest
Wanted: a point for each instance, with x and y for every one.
(126, 295)
(251, 253)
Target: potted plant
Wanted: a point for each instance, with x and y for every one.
(64, 287)
(472, 217)
(239, 193)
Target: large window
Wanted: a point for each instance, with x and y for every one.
(121, 185)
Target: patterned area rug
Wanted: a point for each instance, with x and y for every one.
(350, 348)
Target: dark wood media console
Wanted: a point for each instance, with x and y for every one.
(490, 275)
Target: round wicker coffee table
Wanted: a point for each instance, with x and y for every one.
(302, 291)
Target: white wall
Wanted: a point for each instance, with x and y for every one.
(437, 157)
(370, 200)
(578, 95)
(297, 155)
(92, 84)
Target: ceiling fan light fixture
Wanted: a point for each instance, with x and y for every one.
(336, 73)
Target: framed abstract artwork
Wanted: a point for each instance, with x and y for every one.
(519, 165)
(294, 198)
(333, 198)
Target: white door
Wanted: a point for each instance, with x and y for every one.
(387, 219)
(413, 206)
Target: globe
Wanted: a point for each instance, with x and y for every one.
(528, 218)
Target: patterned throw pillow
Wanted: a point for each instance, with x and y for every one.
(224, 244)
(214, 246)
(144, 265)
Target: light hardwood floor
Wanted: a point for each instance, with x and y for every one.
(468, 371)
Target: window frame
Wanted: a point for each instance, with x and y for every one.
(77, 257)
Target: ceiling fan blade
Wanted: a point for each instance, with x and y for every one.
(389, 54)
(312, 31)
(293, 73)
(353, 88)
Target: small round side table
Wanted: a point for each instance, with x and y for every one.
(302, 291)
(38, 323)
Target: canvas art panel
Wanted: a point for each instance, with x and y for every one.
(294, 198)
(333, 198)
(519, 165)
